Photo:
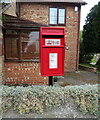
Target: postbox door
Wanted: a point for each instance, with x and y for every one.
(52, 61)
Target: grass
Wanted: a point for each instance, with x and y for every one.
(88, 65)
(94, 60)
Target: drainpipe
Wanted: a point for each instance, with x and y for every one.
(78, 39)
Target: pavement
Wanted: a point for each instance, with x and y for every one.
(79, 78)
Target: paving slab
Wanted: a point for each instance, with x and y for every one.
(79, 78)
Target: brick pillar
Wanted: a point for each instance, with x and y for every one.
(1, 69)
(1, 36)
(0, 44)
(1, 55)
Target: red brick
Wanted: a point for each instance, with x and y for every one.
(0, 49)
(22, 76)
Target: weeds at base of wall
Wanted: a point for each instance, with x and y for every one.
(38, 99)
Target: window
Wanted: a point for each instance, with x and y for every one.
(53, 15)
(57, 16)
(30, 44)
(23, 45)
(61, 16)
(11, 44)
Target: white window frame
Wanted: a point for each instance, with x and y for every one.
(56, 20)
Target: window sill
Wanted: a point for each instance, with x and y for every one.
(57, 24)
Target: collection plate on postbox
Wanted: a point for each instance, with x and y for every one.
(52, 50)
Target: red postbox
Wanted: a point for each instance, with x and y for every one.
(52, 49)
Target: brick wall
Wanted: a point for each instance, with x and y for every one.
(1, 38)
(0, 46)
(40, 13)
(1, 69)
(71, 39)
(1, 58)
(24, 73)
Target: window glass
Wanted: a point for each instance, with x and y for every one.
(11, 32)
(53, 15)
(61, 16)
(30, 44)
(21, 45)
(57, 16)
(11, 44)
(11, 48)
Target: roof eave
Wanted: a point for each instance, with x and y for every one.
(83, 3)
(54, 1)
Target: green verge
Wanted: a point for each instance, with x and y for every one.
(88, 65)
(37, 99)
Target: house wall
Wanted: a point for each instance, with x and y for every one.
(1, 37)
(10, 10)
(1, 69)
(1, 55)
(29, 72)
(40, 13)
